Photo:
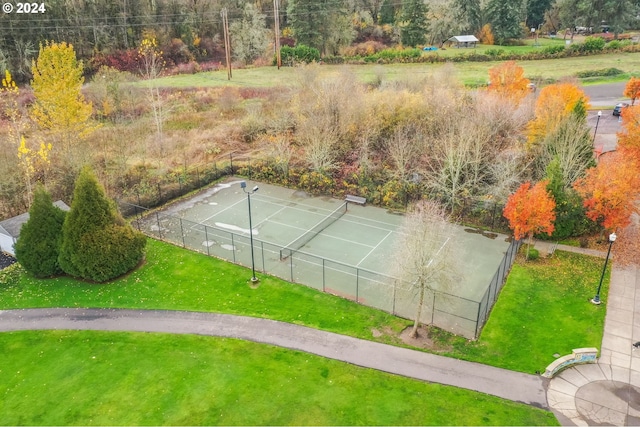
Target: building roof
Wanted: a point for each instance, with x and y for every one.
(11, 227)
(463, 39)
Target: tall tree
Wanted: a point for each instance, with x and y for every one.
(629, 138)
(388, 12)
(508, 80)
(96, 242)
(469, 15)
(249, 34)
(570, 143)
(505, 18)
(610, 190)
(555, 103)
(414, 25)
(59, 107)
(536, 10)
(422, 256)
(315, 23)
(530, 210)
(41, 236)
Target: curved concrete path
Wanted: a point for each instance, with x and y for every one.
(608, 392)
(515, 386)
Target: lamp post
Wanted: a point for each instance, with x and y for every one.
(596, 299)
(243, 185)
(596, 129)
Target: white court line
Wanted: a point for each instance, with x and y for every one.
(283, 202)
(273, 214)
(218, 213)
(374, 248)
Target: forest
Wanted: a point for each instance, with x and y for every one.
(108, 32)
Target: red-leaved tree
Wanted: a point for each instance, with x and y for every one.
(530, 210)
(610, 190)
(629, 138)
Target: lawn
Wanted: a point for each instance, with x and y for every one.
(470, 73)
(108, 378)
(543, 312)
(544, 303)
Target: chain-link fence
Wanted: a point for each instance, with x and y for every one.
(459, 315)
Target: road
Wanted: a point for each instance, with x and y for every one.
(605, 96)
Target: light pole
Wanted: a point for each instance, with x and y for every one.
(243, 185)
(596, 129)
(596, 299)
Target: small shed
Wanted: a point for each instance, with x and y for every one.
(464, 41)
(10, 228)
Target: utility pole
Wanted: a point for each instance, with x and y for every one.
(227, 44)
(276, 24)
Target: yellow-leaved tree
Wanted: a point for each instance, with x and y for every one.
(60, 109)
(555, 104)
(508, 80)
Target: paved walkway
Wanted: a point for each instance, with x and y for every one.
(608, 392)
(506, 384)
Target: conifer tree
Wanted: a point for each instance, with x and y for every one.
(40, 237)
(415, 25)
(96, 243)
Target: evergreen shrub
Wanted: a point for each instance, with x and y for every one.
(96, 243)
(41, 236)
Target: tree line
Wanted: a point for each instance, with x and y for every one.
(192, 29)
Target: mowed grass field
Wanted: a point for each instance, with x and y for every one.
(132, 378)
(95, 378)
(470, 73)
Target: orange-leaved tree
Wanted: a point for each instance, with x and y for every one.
(610, 190)
(508, 80)
(530, 210)
(632, 89)
(555, 103)
(629, 138)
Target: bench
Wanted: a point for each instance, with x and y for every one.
(355, 199)
(577, 357)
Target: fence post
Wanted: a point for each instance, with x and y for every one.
(264, 269)
(182, 234)
(135, 207)
(206, 241)
(291, 265)
(323, 286)
(493, 216)
(475, 334)
(357, 284)
(159, 228)
(198, 176)
(231, 162)
(433, 307)
(393, 307)
(233, 248)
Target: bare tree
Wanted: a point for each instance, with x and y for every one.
(422, 255)
(571, 143)
(403, 151)
(457, 162)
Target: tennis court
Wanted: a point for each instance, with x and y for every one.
(343, 248)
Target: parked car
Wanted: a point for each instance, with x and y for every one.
(617, 110)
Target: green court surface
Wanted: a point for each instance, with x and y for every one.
(351, 257)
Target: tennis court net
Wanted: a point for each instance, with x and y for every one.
(294, 246)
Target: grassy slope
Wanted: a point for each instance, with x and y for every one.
(100, 378)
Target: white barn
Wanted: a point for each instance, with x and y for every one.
(10, 228)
